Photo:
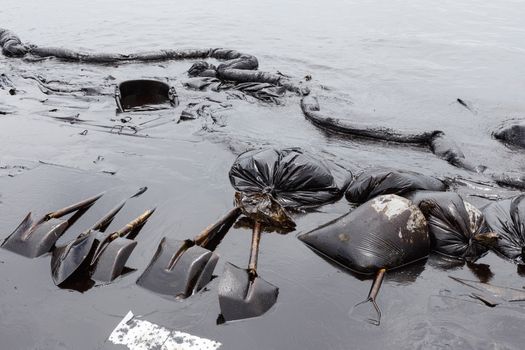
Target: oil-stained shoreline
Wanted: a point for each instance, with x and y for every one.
(424, 307)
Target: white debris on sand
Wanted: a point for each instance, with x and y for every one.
(139, 334)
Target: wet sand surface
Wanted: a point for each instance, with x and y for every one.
(399, 65)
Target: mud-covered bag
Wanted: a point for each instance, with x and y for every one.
(386, 232)
(288, 177)
(378, 181)
(507, 219)
(513, 135)
(456, 227)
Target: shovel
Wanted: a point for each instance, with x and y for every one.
(182, 268)
(34, 238)
(372, 295)
(242, 293)
(67, 259)
(113, 251)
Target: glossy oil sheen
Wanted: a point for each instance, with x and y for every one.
(400, 64)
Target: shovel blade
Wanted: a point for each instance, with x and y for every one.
(177, 271)
(242, 297)
(67, 259)
(112, 260)
(32, 239)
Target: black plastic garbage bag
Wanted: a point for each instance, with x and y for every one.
(507, 219)
(271, 180)
(456, 227)
(378, 181)
(513, 135)
(384, 233)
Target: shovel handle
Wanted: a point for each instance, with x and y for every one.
(378, 280)
(231, 216)
(102, 224)
(254, 251)
(372, 295)
(74, 207)
(141, 220)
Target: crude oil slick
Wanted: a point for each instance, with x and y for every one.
(408, 66)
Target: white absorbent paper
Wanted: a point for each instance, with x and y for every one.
(139, 334)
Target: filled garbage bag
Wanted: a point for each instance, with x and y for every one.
(456, 227)
(378, 181)
(513, 135)
(507, 219)
(272, 180)
(384, 233)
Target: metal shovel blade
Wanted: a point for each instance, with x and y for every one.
(32, 239)
(79, 253)
(177, 270)
(112, 259)
(242, 296)
(68, 258)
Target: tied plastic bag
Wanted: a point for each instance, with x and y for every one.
(513, 135)
(507, 219)
(386, 232)
(270, 180)
(379, 181)
(456, 227)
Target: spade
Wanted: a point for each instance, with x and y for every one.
(113, 251)
(33, 238)
(243, 293)
(68, 258)
(182, 268)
